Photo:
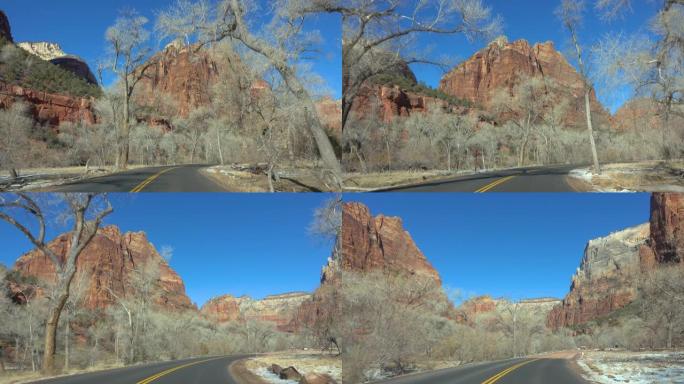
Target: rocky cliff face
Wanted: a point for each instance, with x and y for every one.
(277, 309)
(330, 113)
(5, 30)
(387, 102)
(501, 65)
(606, 279)
(666, 242)
(537, 309)
(112, 261)
(48, 108)
(45, 50)
(369, 243)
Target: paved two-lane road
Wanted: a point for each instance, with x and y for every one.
(532, 179)
(208, 370)
(183, 178)
(514, 371)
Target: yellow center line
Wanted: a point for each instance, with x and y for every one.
(164, 373)
(494, 184)
(150, 179)
(505, 372)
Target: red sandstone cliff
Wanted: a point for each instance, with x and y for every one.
(110, 262)
(501, 65)
(369, 243)
(607, 277)
(387, 102)
(48, 108)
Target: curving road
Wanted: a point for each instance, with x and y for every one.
(514, 371)
(184, 178)
(207, 370)
(531, 179)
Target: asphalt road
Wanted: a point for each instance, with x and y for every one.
(184, 178)
(516, 371)
(532, 179)
(206, 370)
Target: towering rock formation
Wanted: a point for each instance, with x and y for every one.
(666, 242)
(5, 30)
(43, 49)
(279, 310)
(112, 261)
(537, 309)
(387, 102)
(381, 243)
(54, 54)
(606, 280)
(501, 65)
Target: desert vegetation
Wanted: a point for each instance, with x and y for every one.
(65, 324)
(259, 108)
(393, 325)
(529, 124)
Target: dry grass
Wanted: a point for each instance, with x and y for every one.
(27, 377)
(651, 176)
(303, 361)
(376, 180)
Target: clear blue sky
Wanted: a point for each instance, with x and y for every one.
(534, 20)
(79, 27)
(255, 244)
(509, 245)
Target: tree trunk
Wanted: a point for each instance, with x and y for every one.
(590, 130)
(124, 133)
(51, 330)
(67, 331)
(270, 178)
(218, 145)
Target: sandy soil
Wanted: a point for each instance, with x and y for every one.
(650, 176)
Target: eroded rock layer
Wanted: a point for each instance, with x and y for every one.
(112, 262)
(276, 309)
(605, 280)
(48, 108)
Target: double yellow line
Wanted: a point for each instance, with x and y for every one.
(164, 373)
(505, 372)
(494, 184)
(150, 179)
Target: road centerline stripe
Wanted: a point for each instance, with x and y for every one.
(150, 179)
(505, 372)
(171, 370)
(494, 184)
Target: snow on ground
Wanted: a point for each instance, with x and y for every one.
(271, 377)
(633, 367)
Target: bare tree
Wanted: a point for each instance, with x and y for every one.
(87, 212)
(127, 39)
(378, 34)
(15, 128)
(571, 13)
(231, 19)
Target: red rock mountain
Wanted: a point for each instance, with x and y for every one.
(369, 243)
(112, 261)
(186, 76)
(279, 310)
(5, 30)
(605, 280)
(501, 65)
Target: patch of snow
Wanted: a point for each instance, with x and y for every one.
(650, 368)
(586, 175)
(271, 377)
